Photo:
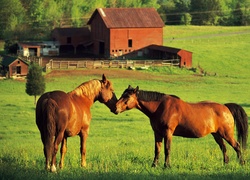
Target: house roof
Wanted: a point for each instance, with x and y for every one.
(29, 44)
(37, 44)
(7, 60)
(71, 31)
(129, 17)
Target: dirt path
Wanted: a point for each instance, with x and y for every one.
(121, 73)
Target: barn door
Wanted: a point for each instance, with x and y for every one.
(18, 69)
(101, 48)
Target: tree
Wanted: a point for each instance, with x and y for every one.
(241, 13)
(12, 17)
(206, 12)
(35, 84)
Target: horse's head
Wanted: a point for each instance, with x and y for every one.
(111, 103)
(106, 92)
(128, 100)
(107, 95)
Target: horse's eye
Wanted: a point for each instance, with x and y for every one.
(126, 102)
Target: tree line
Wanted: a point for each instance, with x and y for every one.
(34, 19)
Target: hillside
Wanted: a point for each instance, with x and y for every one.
(220, 50)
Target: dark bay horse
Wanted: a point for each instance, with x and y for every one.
(170, 116)
(60, 115)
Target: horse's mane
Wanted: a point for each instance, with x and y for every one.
(152, 95)
(90, 89)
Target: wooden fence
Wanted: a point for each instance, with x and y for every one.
(62, 64)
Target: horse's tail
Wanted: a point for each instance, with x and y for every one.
(48, 114)
(241, 121)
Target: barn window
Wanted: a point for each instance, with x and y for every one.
(68, 40)
(18, 62)
(130, 43)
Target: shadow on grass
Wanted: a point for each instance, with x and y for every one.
(12, 171)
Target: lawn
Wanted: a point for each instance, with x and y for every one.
(122, 146)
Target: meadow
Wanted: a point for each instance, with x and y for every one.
(122, 146)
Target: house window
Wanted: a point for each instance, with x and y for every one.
(130, 43)
(68, 40)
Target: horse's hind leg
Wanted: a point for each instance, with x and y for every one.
(58, 140)
(236, 147)
(222, 145)
(63, 152)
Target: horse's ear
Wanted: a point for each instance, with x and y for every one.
(104, 79)
(136, 89)
(129, 86)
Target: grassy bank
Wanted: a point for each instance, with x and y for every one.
(122, 146)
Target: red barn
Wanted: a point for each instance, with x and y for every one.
(118, 31)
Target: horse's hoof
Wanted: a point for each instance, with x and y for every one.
(154, 165)
(167, 166)
(47, 168)
(242, 162)
(83, 165)
(53, 168)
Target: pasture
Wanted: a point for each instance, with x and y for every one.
(122, 146)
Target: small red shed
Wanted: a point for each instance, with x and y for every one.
(14, 66)
(163, 52)
(118, 31)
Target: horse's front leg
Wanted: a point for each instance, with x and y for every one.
(63, 152)
(83, 139)
(158, 142)
(167, 145)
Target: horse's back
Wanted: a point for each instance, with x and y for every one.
(51, 102)
(202, 118)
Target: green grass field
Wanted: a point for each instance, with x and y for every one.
(122, 146)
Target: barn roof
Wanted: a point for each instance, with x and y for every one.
(128, 17)
(165, 48)
(71, 31)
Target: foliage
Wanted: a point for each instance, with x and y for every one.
(35, 84)
(186, 19)
(34, 19)
(12, 17)
(10, 46)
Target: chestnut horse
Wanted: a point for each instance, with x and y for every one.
(60, 115)
(170, 116)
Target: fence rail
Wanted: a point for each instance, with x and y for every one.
(62, 64)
